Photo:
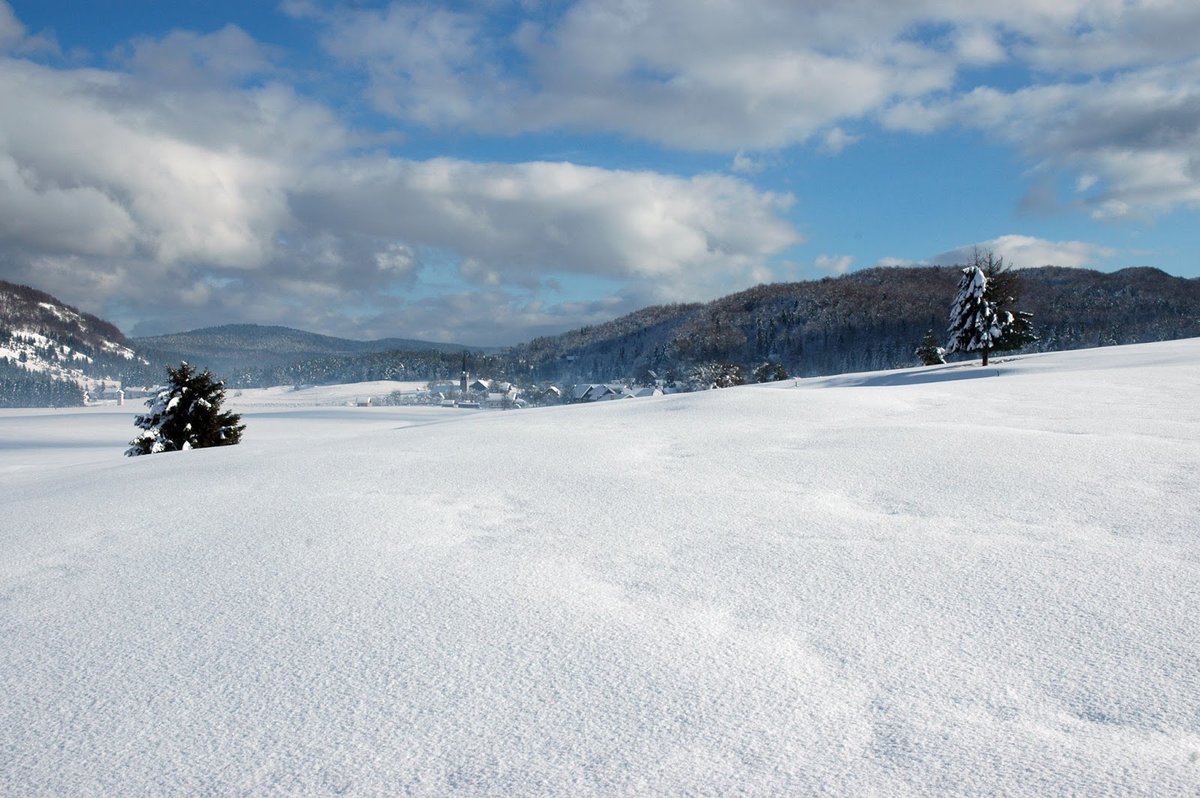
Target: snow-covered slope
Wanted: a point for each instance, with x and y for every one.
(41, 335)
(940, 581)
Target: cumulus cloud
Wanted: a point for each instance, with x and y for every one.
(190, 177)
(186, 58)
(1114, 90)
(836, 140)
(1132, 139)
(14, 37)
(11, 29)
(183, 188)
(746, 164)
(834, 264)
(103, 176)
(714, 77)
(424, 63)
(892, 262)
(535, 217)
(1118, 105)
(1021, 252)
(721, 76)
(978, 46)
(1104, 36)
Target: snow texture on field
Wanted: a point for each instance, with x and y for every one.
(903, 583)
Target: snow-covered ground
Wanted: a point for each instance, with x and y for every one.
(320, 395)
(937, 581)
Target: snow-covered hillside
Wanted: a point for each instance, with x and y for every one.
(937, 581)
(41, 336)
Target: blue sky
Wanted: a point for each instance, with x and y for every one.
(490, 170)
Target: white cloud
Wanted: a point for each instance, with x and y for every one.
(890, 262)
(15, 38)
(1101, 35)
(193, 165)
(1132, 139)
(722, 76)
(397, 261)
(709, 77)
(978, 46)
(424, 63)
(834, 264)
(11, 29)
(1114, 92)
(515, 220)
(161, 185)
(1113, 210)
(1021, 252)
(185, 58)
(746, 164)
(837, 140)
(62, 219)
(141, 186)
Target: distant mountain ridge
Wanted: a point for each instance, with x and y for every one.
(866, 320)
(233, 348)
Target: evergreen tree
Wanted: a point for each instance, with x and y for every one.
(706, 376)
(770, 372)
(1018, 333)
(975, 324)
(1003, 290)
(21, 388)
(186, 415)
(930, 353)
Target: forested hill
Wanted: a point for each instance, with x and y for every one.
(871, 319)
(51, 352)
(234, 348)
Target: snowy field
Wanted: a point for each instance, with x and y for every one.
(320, 395)
(948, 581)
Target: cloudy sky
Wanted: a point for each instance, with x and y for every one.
(485, 171)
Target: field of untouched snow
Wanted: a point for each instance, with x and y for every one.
(936, 581)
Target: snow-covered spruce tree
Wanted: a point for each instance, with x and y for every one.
(1003, 289)
(722, 374)
(186, 415)
(979, 319)
(975, 324)
(930, 353)
(1018, 333)
(770, 372)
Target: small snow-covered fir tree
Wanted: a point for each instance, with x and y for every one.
(186, 415)
(930, 353)
(770, 372)
(706, 376)
(975, 323)
(1018, 333)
